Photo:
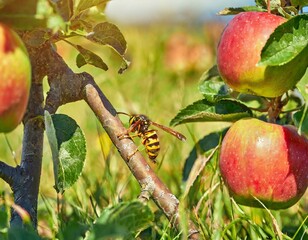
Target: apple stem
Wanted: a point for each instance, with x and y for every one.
(269, 6)
(274, 109)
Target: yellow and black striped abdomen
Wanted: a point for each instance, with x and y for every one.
(151, 142)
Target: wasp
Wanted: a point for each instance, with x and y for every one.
(140, 124)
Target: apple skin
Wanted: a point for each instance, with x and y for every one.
(266, 161)
(239, 51)
(15, 79)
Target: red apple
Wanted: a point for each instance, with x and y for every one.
(239, 52)
(15, 79)
(264, 161)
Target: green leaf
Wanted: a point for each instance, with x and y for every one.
(109, 34)
(259, 2)
(16, 233)
(64, 8)
(123, 220)
(69, 156)
(87, 15)
(227, 110)
(86, 4)
(80, 60)
(288, 12)
(286, 42)
(53, 143)
(72, 150)
(212, 86)
(300, 3)
(213, 91)
(125, 64)
(232, 11)
(301, 120)
(204, 145)
(211, 74)
(303, 86)
(86, 56)
(4, 218)
(274, 4)
(36, 37)
(74, 228)
(252, 101)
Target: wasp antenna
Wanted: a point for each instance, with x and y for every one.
(123, 113)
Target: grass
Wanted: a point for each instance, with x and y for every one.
(152, 87)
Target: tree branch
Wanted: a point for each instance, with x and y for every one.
(139, 167)
(65, 85)
(7, 172)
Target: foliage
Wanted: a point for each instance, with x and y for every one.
(60, 20)
(68, 149)
(288, 40)
(283, 7)
(125, 219)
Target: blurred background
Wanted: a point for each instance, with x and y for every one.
(147, 11)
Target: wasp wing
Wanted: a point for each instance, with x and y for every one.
(171, 131)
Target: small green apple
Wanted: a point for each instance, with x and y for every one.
(239, 51)
(15, 79)
(264, 161)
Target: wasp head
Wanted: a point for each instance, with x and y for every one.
(140, 123)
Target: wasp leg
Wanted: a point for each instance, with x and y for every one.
(131, 155)
(123, 136)
(126, 135)
(138, 149)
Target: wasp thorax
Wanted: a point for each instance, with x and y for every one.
(142, 123)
